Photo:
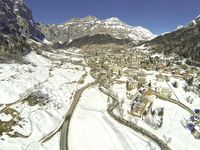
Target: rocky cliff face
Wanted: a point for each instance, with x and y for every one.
(16, 26)
(89, 26)
(185, 41)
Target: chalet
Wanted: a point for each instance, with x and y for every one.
(148, 93)
(131, 84)
(164, 91)
(150, 67)
(116, 69)
(139, 105)
(133, 67)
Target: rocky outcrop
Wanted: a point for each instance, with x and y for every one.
(16, 26)
(185, 41)
(89, 26)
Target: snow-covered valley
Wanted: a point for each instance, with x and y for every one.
(97, 84)
(39, 93)
(53, 94)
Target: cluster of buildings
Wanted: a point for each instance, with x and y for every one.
(139, 104)
(136, 68)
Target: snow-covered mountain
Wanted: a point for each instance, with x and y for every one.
(90, 25)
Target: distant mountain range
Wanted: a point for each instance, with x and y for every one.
(90, 25)
(17, 27)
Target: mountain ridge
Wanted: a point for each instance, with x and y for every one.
(90, 25)
(184, 41)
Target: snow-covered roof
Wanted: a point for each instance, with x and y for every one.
(197, 128)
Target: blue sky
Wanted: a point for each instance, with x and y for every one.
(157, 15)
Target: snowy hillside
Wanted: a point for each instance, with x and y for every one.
(35, 97)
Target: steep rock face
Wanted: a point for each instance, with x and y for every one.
(89, 26)
(16, 26)
(185, 41)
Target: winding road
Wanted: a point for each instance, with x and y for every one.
(65, 127)
(131, 125)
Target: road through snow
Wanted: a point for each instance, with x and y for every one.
(92, 128)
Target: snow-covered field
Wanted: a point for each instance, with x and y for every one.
(92, 128)
(55, 80)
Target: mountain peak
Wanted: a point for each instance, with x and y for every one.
(89, 18)
(114, 20)
(198, 17)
